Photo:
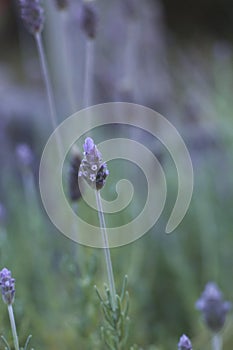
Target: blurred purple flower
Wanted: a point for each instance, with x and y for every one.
(212, 306)
(62, 4)
(24, 154)
(7, 285)
(131, 7)
(74, 164)
(92, 169)
(184, 343)
(88, 19)
(32, 14)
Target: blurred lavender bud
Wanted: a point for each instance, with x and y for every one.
(24, 155)
(32, 14)
(130, 8)
(88, 19)
(184, 343)
(7, 285)
(62, 4)
(92, 169)
(212, 306)
(75, 161)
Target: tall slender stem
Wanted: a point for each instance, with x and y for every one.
(13, 327)
(217, 342)
(106, 250)
(67, 61)
(48, 86)
(88, 79)
(46, 78)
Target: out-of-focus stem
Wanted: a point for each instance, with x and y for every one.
(111, 282)
(217, 342)
(46, 78)
(49, 90)
(13, 327)
(67, 61)
(88, 78)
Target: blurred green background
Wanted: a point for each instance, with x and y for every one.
(175, 57)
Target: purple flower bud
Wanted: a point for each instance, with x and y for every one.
(32, 14)
(92, 169)
(184, 343)
(88, 19)
(212, 306)
(7, 285)
(24, 154)
(88, 145)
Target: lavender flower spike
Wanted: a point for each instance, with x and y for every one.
(88, 18)
(184, 343)
(7, 285)
(213, 308)
(32, 14)
(24, 154)
(92, 168)
(88, 145)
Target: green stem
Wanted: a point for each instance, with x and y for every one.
(216, 342)
(13, 327)
(111, 282)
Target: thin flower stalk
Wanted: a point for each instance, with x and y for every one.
(46, 78)
(108, 260)
(13, 327)
(88, 78)
(48, 86)
(88, 23)
(94, 171)
(115, 308)
(3, 230)
(32, 15)
(67, 64)
(217, 341)
(26, 162)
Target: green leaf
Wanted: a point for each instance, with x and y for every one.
(27, 342)
(6, 343)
